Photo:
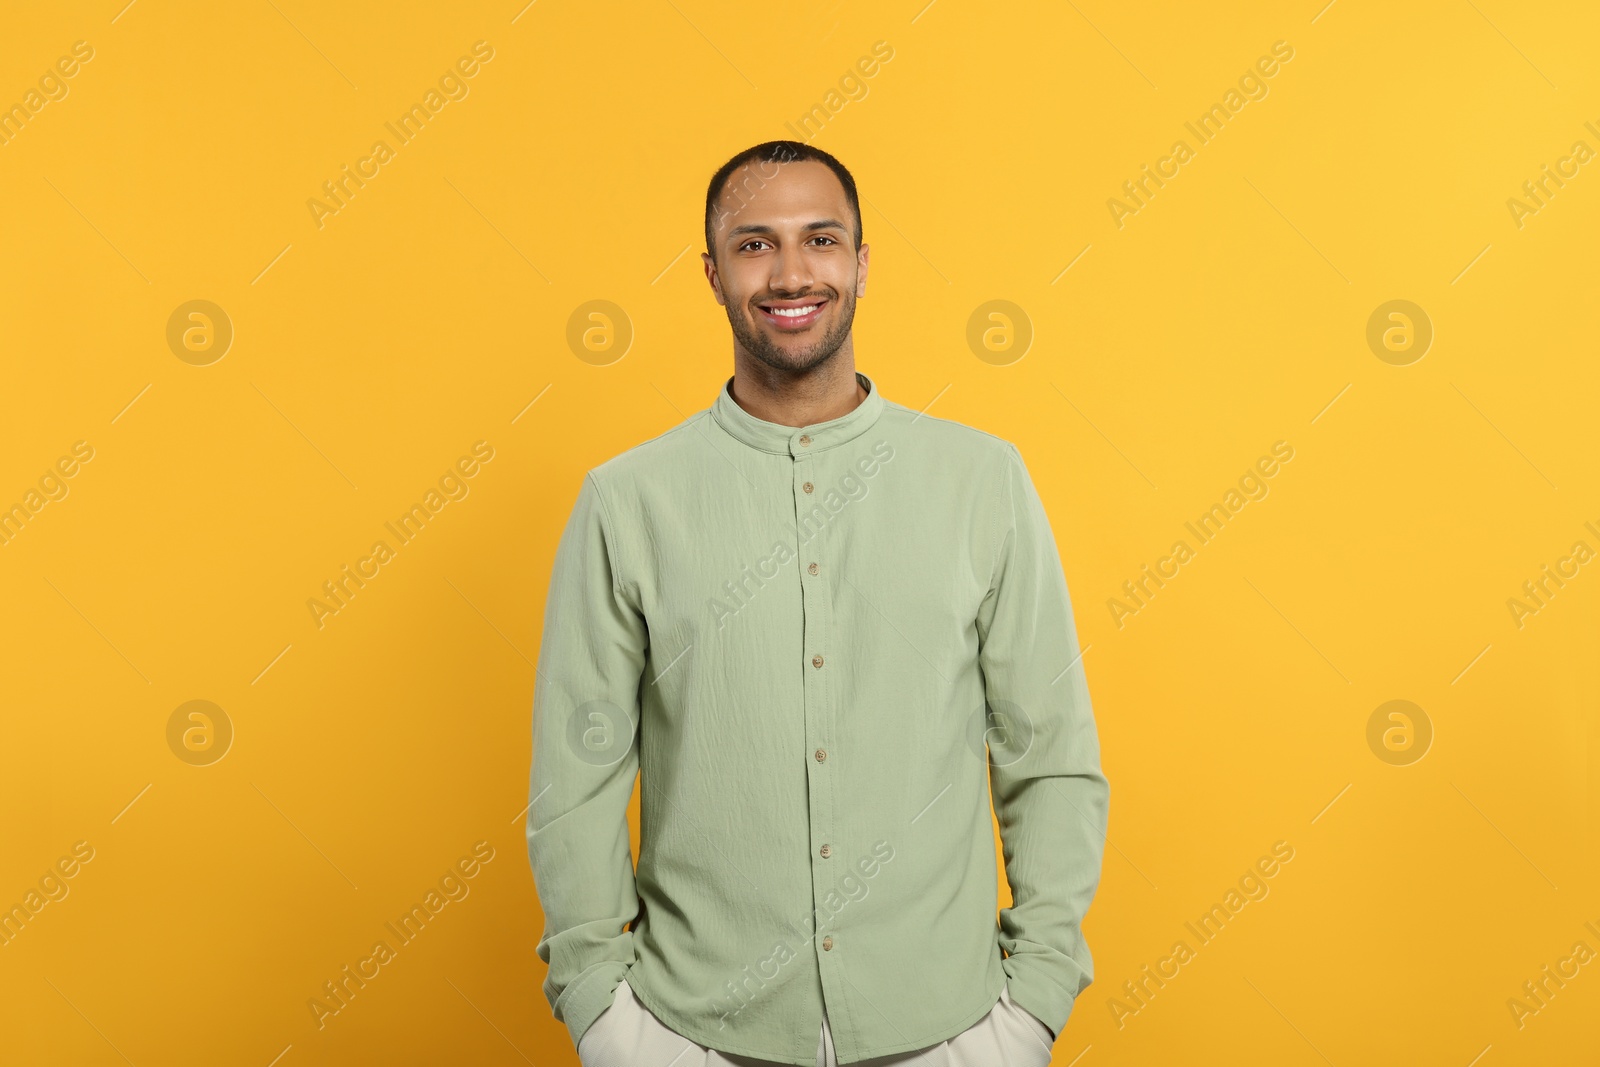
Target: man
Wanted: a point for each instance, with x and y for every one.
(824, 630)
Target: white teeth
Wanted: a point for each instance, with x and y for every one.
(793, 313)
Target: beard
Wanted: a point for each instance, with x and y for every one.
(794, 357)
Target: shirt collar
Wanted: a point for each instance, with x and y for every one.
(786, 440)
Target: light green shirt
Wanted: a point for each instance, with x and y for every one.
(800, 638)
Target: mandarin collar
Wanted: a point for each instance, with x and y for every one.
(786, 440)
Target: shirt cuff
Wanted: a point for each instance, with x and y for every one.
(1039, 991)
(586, 1000)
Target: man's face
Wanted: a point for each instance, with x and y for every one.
(786, 269)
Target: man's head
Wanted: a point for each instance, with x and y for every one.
(783, 234)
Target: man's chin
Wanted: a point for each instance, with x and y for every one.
(791, 351)
(792, 358)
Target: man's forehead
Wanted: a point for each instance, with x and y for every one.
(805, 177)
(799, 191)
(769, 168)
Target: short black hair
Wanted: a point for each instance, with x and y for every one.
(777, 152)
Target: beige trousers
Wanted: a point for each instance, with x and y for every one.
(627, 1035)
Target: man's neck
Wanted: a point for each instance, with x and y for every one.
(826, 392)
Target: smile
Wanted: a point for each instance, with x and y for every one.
(793, 315)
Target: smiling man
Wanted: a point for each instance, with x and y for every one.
(791, 308)
(825, 632)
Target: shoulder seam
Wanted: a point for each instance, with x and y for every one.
(684, 425)
(893, 405)
(1001, 535)
(608, 531)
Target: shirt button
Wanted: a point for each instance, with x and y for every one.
(826, 851)
(816, 661)
(807, 487)
(822, 754)
(827, 944)
(812, 568)
(805, 439)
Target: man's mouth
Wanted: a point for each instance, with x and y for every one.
(793, 314)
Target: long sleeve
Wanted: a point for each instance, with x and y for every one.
(1051, 798)
(585, 758)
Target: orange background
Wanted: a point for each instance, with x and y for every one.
(370, 753)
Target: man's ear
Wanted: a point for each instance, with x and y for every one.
(712, 277)
(862, 257)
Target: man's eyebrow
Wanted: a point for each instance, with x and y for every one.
(757, 227)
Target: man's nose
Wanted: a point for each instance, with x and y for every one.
(790, 272)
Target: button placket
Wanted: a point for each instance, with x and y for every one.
(817, 682)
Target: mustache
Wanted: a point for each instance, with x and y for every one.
(770, 297)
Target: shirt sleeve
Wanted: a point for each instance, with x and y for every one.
(585, 759)
(1050, 797)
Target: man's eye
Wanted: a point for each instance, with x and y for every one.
(747, 244)
(825, 237)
